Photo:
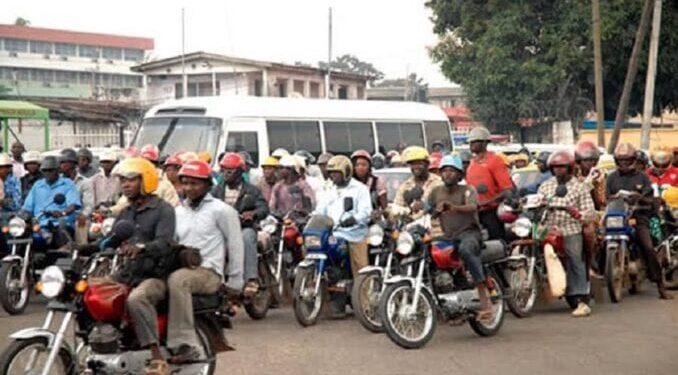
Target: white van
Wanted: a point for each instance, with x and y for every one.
(260, 125)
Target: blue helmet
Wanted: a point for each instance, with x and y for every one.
(454, 161)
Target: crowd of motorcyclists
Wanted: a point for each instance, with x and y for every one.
(213, 214)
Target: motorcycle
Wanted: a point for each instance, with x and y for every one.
(106, 342)
(666, 238)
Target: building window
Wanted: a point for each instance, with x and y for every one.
(315, 90)
(116, 80)
(65, 49)
(89, 51)
(112, 53)
(16, 45)
(294, 135)
(282, 88)
(299, 87)
(43, 48)
(243, 141)
(258, 88)
(85, 78)
(394, 134)
(346, 137)
(195, 89)
(21, 74)
(134, 54)
(343, 92)
(63, 76)
(42, 75)
(360, 92)
(133, 81)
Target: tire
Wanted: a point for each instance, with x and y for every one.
(257, 306)
(521, 301)
(63, 361)
(307, 308)
(614, 273)
(12, 300)
(491, 329)
(388, 310)
(276, 296)
(365, 300)
(202, 331)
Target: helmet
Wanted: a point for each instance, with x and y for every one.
(560, 158)
(205, 156)
(641, 156)
(670, 196)
(625, 150)
(32, 157)
(661, 158)
(289, 161)
(108, 156)
(270, 161)
(301, 162)
(324, 158)
(391, 154)
(133, 167)
(5, 160)
(279, 153)
(341, 164)
(85, 153)
(247, 158)
(49, 162)
(434, 160)
(397, 159)
(543, 157)
(231, 160)
(130, 152)
(308, 157)
(361, 154)
(606, 161)
(586, 150)
(68, 154)
(187, 156)
(516, 157)
(453, 161)
(415, 153)
(378, 161)
(465, 155)
(196, 169)
(479, 133)
(174, 160)
(150, 152)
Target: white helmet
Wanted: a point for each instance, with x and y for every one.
(5, 160)
(279, 153)
(108, 156)
(289, 161)
(301, 162)
(32, 157)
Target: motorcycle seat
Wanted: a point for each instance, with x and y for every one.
(493, 250)
(206, 301)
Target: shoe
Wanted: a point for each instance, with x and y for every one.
(184, 354)
(582, 310)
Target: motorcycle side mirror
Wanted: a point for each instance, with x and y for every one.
(348, 204)
(561, 191)
(59, 199)
(482, 189)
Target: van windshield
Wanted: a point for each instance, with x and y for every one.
(175, 134)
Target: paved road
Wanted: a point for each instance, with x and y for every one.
(639, 336)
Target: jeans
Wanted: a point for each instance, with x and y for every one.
(469, 246)
(249, 238)
(576, 271)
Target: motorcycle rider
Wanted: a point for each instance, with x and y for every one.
(642, 161)
(418, 159)
(322, 164)
(85, 167)
(278, 153)
(10, 186)
(18, 162)
(251, 206)
(149, 251)
(269, 168)
(627, 177)
(662, 172)
(519, 160)
(578, 203)
(33, 174)
(490, 176)
(171, 169)
(105, 185)
(456, 206)
(291, 192)
(362, 172)
(465, 158)
(352, 224)
(434, 163)
(206, 223)
(68, 164)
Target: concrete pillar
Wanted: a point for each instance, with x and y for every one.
(264, 82)
(307, 89)
(290, 86)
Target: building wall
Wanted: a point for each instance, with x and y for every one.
(658, 137)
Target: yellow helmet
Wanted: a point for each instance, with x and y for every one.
(134, 167)
(270, 162)
(341, 164)
(415, 153)
(670, 196)
(205, 156)
(516, 157)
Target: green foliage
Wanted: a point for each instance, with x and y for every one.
(351, 64)
(534, 59)
(20, 21)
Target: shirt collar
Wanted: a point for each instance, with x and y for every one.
(206, 200)
(151, 203)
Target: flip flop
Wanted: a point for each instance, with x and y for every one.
(158, 367)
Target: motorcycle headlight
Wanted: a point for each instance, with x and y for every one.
(107, 226)
(614, 222)
(405, 243)
(375, 235)
(269, 225)
(52, 281)
(312, 242)
(522, 227)
(17, 227)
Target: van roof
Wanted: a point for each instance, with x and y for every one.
(300, 108)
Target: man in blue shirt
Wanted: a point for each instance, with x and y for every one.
(11, 202)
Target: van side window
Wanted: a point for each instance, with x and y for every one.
(294, 136)
(392, 134)
(437, 131)
(243, 141)
(346, 137)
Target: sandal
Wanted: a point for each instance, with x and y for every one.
(484, 316)
(251, 289)
(158, 367)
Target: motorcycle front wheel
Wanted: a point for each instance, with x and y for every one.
(524, 294)
(306, 302)
(492, 327)
(26, 356)
(257, 306)
(13, 297)
(409, 329)
(365, 300)
(614, 273)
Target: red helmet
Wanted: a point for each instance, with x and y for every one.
(174, 160)
(150, 152)
(232, 160)
(434, 160)
(131, 152)
(362, 154)
(196, 169)
(586, 150)
(561, 157)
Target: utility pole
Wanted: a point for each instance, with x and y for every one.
(329, 57)
(184, 78)
(630, 75)
(598, 72)
(651, 76)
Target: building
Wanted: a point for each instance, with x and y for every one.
(48, 63)
(210, 74)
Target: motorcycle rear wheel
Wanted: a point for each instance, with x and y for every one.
(394, 299)
(522, 299)
(491, 328)
(13, 300)
(257, 307)
(614, 273)
(63, 364)
(307, 308)
(365, 300)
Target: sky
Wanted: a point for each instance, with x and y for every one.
(392, 35)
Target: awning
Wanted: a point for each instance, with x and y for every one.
(22, 110)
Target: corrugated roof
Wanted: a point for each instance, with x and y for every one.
(75, 37)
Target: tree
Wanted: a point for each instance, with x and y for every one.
(534, 59)
(20, 21)
(350, 64)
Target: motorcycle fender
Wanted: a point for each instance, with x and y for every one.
(369, 269)
(398, 278)
(306, 263)
(29, 333)
(12, 259)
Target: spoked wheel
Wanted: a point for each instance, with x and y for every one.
(13, 296)
(614, 273)
(307, 303)
(524, 293)
(27, 357)
(492, 327)
(365, 300)
(257, 306)
(406, 325)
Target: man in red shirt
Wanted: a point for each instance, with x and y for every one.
(489, 175)
(662, 172)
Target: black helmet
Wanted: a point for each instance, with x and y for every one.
(378, 161)
(84, 152)
(543, 157)
(642, 158)
(68, 154)
(49, 162)
(247, 158)
(310, 159)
